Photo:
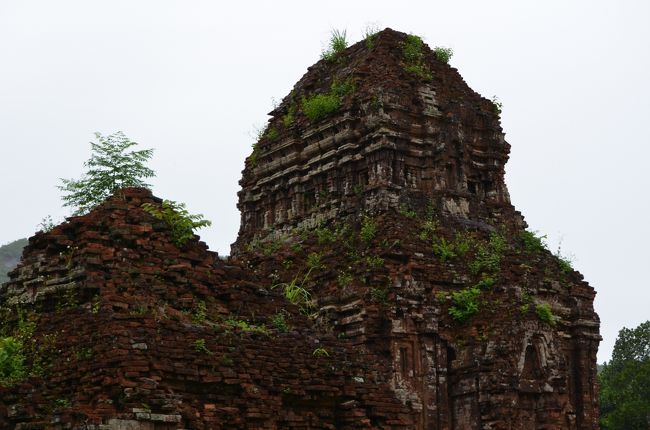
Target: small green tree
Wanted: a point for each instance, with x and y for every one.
(179, 220)
(625, 382)
(110, 168)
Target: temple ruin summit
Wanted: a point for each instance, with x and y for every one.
(381, 279)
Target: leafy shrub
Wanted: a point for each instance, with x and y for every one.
(413, 49)
(178, 219)
(486, 282)
(279, 321)
(314, 261)
(337, 44)
(374, 261)
(462, 243)
(199, 346)
(533, 242)
(488, 255)
(200, 313)
(379, 295)
(368, 229)
(443, 54)
(344, 279)
(405, 211)
(320, 106)
(272, 134)
(253, 158)
(444, 250)
(12, 360)
(342, 88)
(270, 247)
(545, 314)
(287, 119)
(429, 229)
(565, 264)
(464, 304)
(413, 52)
(325, 235)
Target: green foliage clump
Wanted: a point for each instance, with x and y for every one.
(279, 321)
(369, 35)
(565, 264)
(199, 346)
(413, 49)
(272, 134)
(110, 168)
(337, 44)
(288, 118)
(407, 212)
(270, 247)
(462, 243)
(177, 218)
(296, 293)
(379, 295)
(368, 229)
(444, 250)
(374, 261)
(625, 382)
(533, 242)
(413, 52)
(314, 261)
(319, 106)
(443, 54)
(245, 326)
(12, 360)
(254, 157)
(488, 255)
(486, 282)
(465, 303)
(429, 227)
(342, 88)
(325, 235)
(200, 313)
(344, 279)
(545, 314)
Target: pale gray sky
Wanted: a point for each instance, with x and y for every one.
(193, 78)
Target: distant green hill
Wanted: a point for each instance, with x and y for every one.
(10, 256)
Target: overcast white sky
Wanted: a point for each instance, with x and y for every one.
(193, 78)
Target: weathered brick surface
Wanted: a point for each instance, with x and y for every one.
(120, 307)
(384, 211)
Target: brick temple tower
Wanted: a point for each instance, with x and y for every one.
(409, 149)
